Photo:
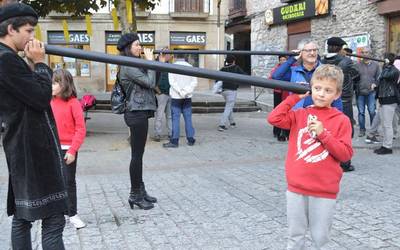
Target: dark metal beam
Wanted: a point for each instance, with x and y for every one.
(245, 52)
(226, 52)
(183, 70)
(367, 57)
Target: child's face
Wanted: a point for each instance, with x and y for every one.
(324, 92)
(56, 88)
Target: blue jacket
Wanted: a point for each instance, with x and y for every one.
(287, 72)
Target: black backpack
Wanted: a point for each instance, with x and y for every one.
(118, 98)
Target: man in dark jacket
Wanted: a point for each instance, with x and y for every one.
(336, 56)
(163, 100)
(229, 92)
(36, 187)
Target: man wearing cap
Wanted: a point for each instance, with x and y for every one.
(36, 189)
(336, 56)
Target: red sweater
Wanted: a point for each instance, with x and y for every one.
(313, 165)
(70, 122)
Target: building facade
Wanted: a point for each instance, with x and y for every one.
(176, 24)
(281, 24)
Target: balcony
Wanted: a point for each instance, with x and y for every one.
(196, 9)
(237, 9)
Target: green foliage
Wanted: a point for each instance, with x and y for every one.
(78, 7)
(74, 7)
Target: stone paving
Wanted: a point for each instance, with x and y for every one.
(226, 192)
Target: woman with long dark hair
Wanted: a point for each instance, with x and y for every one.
(139, 87)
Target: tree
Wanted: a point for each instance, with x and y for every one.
(83, 7)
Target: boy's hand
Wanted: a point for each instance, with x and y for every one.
(315, 127)
(34, 51)
(304, 95)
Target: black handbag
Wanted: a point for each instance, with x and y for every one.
(118, 98)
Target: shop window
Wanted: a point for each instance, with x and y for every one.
(77, 67)
(77, 40)
(394, 35)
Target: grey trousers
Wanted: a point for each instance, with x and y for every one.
(230, 99)
(305, 212)
(377, 121)
(387, 115)
(163, 110)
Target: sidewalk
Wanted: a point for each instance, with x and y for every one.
(226, 192)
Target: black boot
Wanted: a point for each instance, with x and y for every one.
(137, 198)
(146, 196)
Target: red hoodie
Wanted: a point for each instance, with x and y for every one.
(70, 122)
(313, 164)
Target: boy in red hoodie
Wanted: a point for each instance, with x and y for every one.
(320, 138)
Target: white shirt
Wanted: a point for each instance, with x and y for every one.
(182, 86)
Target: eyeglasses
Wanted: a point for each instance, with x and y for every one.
(310, 50)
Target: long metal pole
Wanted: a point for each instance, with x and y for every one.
(245, 52)
(226, 52)
(183, 70)
(367, 57)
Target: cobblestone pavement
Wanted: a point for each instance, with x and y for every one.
(226, 192)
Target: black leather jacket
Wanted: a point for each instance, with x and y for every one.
(351, 74)
(387, 90)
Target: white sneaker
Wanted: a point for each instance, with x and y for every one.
(77, 222)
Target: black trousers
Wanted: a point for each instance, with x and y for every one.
(52, 229)
(138, 124)
(70, 180)
(348, 111)
(278, 131)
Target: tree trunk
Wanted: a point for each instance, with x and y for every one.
(123, 18)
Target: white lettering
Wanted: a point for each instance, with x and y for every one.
(195, 39)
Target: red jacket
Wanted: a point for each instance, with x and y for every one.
(70, 122)
(313, 165)
(285, 94)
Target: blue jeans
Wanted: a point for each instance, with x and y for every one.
(183, 106)
(368, 100)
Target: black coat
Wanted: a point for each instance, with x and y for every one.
(233, 68)
(387, 89)
(350, 73)
(36, 187)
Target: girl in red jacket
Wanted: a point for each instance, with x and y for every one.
(320, 138)
(71, 129)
